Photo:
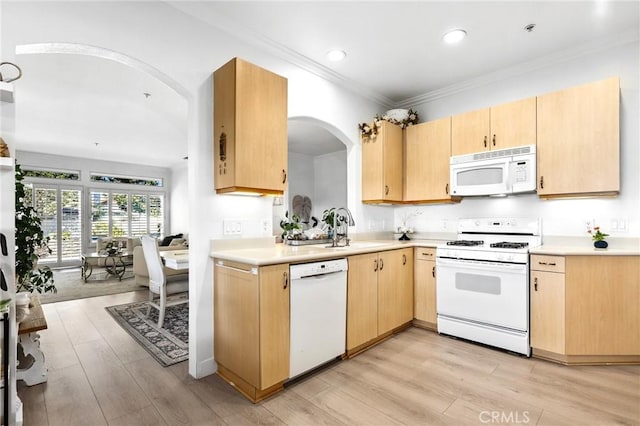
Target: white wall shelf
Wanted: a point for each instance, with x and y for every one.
(6, 163)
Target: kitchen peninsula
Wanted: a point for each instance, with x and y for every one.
(251, 307)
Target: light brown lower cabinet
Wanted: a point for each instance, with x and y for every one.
(424, 305)
(251, 326)
(379, 296)
(585, 309)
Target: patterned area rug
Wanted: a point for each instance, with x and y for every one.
(169, 344)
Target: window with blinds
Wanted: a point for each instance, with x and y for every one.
(118, 213)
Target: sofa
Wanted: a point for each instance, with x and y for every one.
(140, 270)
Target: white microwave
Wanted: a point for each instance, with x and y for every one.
(499, 172)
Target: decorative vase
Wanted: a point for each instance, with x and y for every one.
(22, 306)
(600, 244)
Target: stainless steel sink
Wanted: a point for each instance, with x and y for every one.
(358, 245)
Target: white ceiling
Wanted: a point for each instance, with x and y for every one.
(67, 103)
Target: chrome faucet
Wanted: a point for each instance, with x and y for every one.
(336, 239)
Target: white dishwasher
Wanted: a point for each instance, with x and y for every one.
(318, 314)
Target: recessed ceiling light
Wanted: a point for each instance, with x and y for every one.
(336, 55)
(454, 36)
(146, 95)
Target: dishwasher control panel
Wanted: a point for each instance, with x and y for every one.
(318, 268)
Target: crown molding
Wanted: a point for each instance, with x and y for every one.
(559, 57)
(253, 38)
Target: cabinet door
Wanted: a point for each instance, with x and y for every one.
(602, 294)
(579, 140)
(250, 129)
(470, 132)
(224, 119)
(425, 290)
(513, 124)
(274, 325)
(427, 153)
(548, 311)
(395, 289)
(362, 299)
(236, 322)
(261, 128)
(382, 165)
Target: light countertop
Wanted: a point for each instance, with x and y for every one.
(580, 246)
(560, 250)
(271, 254)
(281, 253)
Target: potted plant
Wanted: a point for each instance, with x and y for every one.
(291, 228)
(598, 237)
(328, 218)
(31, 244)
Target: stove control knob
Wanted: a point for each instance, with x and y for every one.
(477, 223)
(510, 257)
(499, 256)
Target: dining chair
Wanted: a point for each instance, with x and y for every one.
(158, 285)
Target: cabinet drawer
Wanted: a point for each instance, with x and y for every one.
(547, 263)
(424, 253)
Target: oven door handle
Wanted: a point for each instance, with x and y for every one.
(480, 265)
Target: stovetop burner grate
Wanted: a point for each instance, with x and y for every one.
(467, 243)
(509, 245)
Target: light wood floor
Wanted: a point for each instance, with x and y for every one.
(98, 375)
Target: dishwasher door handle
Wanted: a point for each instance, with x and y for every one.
(318, 276)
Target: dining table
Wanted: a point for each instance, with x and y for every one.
(176, 259)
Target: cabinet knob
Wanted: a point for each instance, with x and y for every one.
(285, 280)
(386, 190)
(284, 176)
(494, 140)
(375, 265)
(485, 141)
(433, 272)
(404, 259)
(446, 189)
(535, 284)
(381, 264)
(541, 182)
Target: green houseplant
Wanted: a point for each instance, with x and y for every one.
(31, 244)
(292, 228)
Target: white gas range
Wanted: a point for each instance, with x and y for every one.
(483, 281)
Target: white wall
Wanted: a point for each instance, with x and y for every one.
(559, 217)
(179, 205)
(330, 182)
(188, 51)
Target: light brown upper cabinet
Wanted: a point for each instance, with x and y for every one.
(249, 129)
(382, 165)
(427, 152)
(503, 126)
(579, 140)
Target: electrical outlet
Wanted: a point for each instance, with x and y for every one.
(590, 224)
(266, 226)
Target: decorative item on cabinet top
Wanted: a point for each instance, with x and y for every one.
(400, 117)
(4, 149)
